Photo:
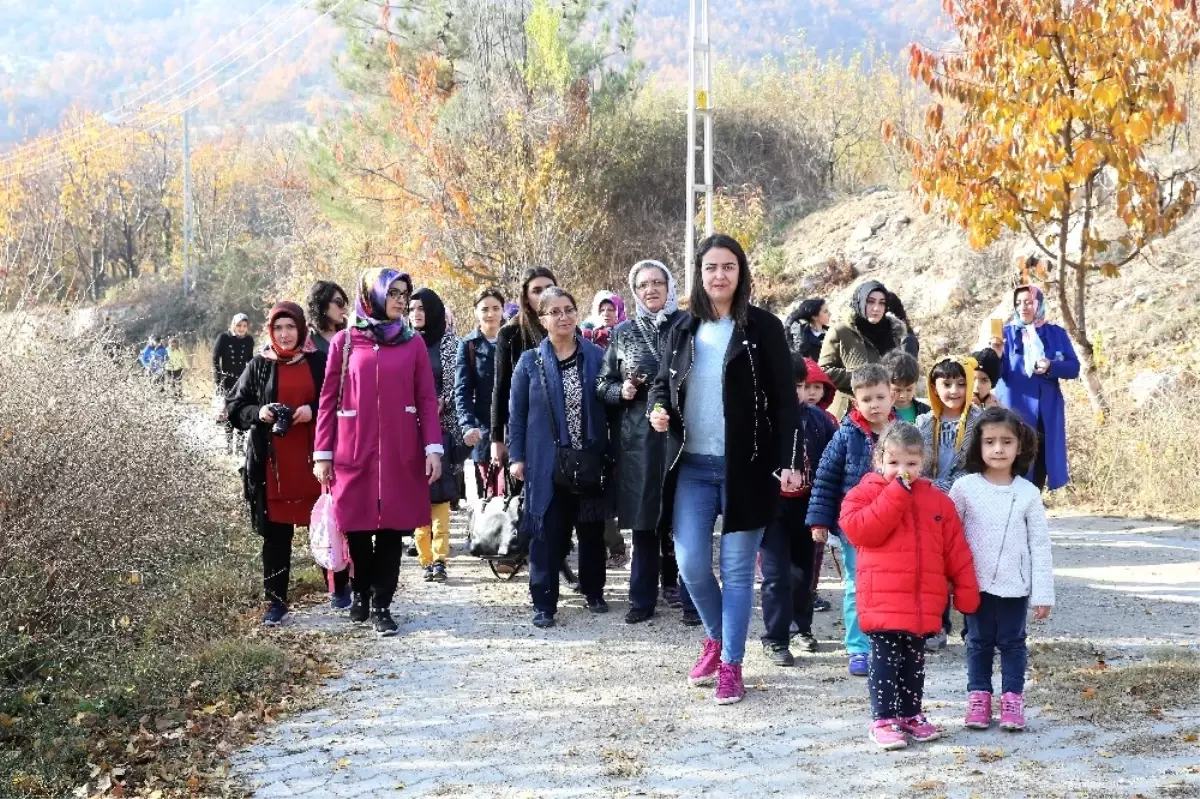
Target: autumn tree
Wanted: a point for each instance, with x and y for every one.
(1066, 105)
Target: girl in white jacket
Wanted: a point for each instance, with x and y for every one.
(1005, 524)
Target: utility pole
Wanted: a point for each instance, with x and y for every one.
(189, 279)
(699, 106)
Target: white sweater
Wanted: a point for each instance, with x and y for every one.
(1009, 538)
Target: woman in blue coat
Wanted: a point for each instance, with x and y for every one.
(553, 403)
(1037, 354)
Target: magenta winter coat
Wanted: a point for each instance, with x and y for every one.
(378, 438)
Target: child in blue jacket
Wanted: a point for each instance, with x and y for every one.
(844, 463)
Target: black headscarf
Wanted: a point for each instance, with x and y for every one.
(880, 333)
(435, 316)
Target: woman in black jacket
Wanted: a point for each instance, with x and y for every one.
(726, 398)
(805, 327)
(232, 350)
(277, 478)
(523, 332)
(630, 364)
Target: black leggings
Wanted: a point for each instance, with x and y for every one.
(277, 563)
(376, 558)
(896, 679)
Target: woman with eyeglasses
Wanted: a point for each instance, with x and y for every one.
(379, 440)
(523, 332)
(553, 405)
(327, 313)
(630, 364)
(726, 398)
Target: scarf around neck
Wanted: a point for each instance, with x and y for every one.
(656, 318)
(370, 310)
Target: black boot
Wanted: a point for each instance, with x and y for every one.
(360, 608)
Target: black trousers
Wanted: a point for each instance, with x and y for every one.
(376, 558)
(277, 563)
(787, 563)
(1039, 462)
(546, 553)
(896, 679)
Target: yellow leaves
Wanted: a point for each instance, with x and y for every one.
(1106, 94)
(1137, 130)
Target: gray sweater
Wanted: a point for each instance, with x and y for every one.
(704, 405)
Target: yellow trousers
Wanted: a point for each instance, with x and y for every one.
(433, 542)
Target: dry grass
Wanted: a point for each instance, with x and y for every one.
(1139, 461)
(1076, 680)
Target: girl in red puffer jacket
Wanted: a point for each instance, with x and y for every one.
(910, 547)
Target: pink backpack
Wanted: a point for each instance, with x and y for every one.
(327, 542)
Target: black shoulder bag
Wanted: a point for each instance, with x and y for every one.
(576, 470)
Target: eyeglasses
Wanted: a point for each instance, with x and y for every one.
(339, 302)
(397, 294)
(561, 313)
(650, 284)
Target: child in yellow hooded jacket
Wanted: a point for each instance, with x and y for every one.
(950, 420)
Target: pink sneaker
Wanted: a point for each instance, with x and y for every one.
(979, 710)
(730, 687)
(1012, 712)
(919, 728)
(888, 734)
(705, 670)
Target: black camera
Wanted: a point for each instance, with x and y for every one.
(283, 418)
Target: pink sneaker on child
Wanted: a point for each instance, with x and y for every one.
(888, 734)
(979, 710)
(730, 688)
(919, 728)
(705, 670)
(1012, 712)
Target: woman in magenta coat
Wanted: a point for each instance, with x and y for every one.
(379, 441)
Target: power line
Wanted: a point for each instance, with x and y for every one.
(163, 95)
(61, 159)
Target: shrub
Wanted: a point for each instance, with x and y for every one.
(126, 573)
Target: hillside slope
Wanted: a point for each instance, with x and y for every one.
(1147, 318)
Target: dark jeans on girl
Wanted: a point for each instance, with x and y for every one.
(787, 562)
(896, 679)
(653, 556)
(277, 562)
(547, 551)
(999, 624)
(376, 557)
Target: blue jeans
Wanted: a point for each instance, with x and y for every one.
(725, 607)
(856, 641)
(998, 624)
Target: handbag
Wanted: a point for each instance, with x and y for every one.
(577, 470)
(493, 527)
(328, 543)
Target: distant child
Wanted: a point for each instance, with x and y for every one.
(787, 545)
(911, 549)
(153, 359)
(987, 374)
(176, 364)
(1005, 525)
(905, 373)
(845, 461)
(819, 390)
(949, 421)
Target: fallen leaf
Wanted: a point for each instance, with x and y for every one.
(990, 755)
(1104, 753)
(1191, 738)
(1088, 693)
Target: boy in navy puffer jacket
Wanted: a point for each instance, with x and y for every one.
(787, 545)
(843, 464)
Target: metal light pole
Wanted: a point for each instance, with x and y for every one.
(699, 105)
(188, 278)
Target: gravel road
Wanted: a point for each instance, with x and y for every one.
(472, 701)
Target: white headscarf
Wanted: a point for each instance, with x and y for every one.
(672, 304)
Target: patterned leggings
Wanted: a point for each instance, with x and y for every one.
(896, 678)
